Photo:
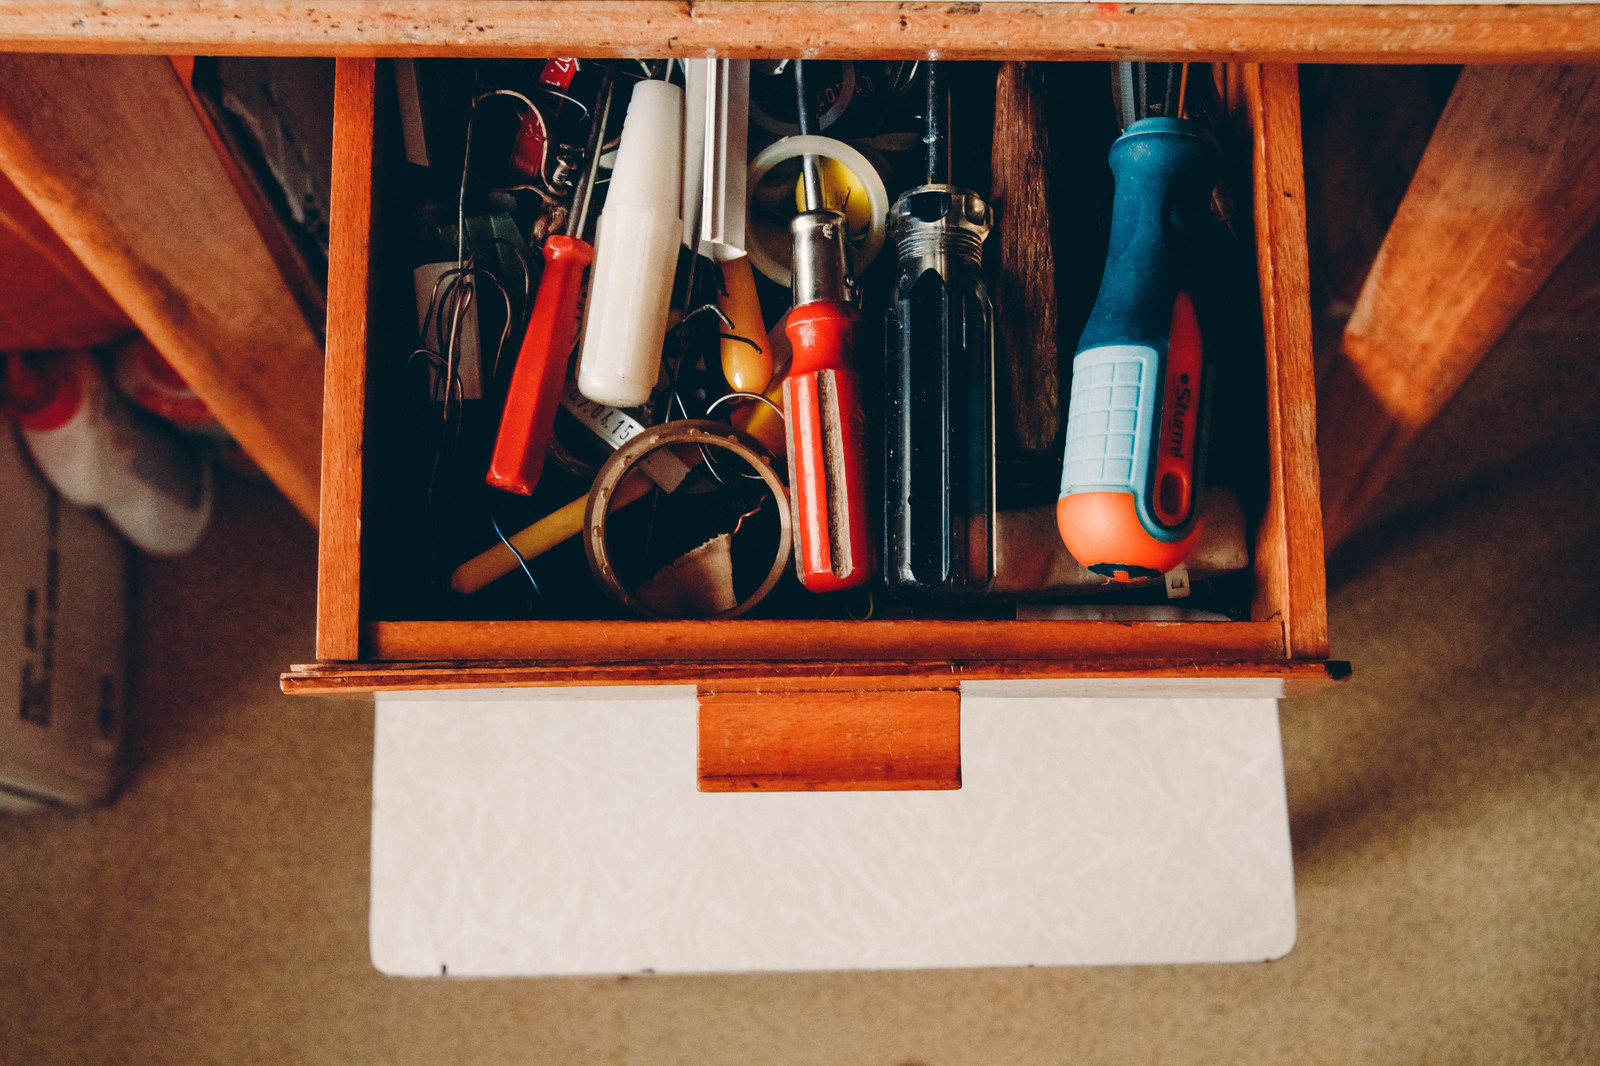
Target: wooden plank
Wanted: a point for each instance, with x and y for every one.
(1509, 183)
(345, 395)
(111, 154)
(864, 740)
(47, 298)
(841, 28)
(796, 641)
(1181, 678)
(307, 289)
(1572, 295)
(1291, 582)
(1345, 110)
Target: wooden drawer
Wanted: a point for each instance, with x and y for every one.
(1284, 641)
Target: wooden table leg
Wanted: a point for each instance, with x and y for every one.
(1509, 184)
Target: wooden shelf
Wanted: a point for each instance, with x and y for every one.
(1418, 33)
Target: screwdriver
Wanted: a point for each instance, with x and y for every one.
(636, 253)
(1028, 389)
(1133, 472)
(541, 368)
(939, 409)
(717, 120)
(824, 422)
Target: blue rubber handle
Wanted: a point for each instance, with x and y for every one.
(1165, 169)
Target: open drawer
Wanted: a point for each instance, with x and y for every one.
(1282, 645)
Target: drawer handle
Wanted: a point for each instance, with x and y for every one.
(862, 740)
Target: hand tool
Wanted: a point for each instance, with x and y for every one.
(717, 121)
(636, 252)
(615, 428)
(1028, 367)
(1133, 472)
(775, 196)
(824, 423)
(939, 382)
(530, 408)
(560, 525)
(1033, 564)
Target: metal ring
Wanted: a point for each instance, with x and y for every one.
(698, 432)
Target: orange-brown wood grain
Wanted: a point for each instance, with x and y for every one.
(47, 298)
(1165, 678)
(344, 402)
(1509, 184)
(307, 289)
(1353, 33)
(884, 739)
(797, 641)
(109, 151)
(1291, 581)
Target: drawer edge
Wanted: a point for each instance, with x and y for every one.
(1297, 676)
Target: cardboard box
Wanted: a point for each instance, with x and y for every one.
(63, 643)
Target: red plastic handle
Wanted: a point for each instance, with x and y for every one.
(1173, 494)
(530, 411)
(827, 436)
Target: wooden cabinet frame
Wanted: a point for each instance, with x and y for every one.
(1287, 635)
(1325, 33)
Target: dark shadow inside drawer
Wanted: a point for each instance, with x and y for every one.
(425, 504)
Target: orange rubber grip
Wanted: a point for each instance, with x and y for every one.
(827, 438)
(1103, 532)
(530, 411)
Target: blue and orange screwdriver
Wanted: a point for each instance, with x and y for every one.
(536, 383)
(824, 420)
(1134, 468)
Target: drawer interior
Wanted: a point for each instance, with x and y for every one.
(388, 542)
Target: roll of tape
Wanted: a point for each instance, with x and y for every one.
(696, 432)
(770, 251)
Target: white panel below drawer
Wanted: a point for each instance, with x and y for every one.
(515, 836)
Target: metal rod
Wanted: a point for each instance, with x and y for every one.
(583, 195)
(808, 162)
(713, 168)
(933, 135)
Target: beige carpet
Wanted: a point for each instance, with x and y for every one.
(1445, 806)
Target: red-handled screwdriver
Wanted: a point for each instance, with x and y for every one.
(826, 428)
(541, 370)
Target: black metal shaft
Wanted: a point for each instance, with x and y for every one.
(808, 162)
(583, 195)
(935, 135)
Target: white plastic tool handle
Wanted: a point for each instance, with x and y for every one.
(636, 253)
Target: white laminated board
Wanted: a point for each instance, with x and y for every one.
(517, 834)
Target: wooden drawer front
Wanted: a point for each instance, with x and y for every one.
(1286, 636)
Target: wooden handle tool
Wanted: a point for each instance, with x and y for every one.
(1029, 376)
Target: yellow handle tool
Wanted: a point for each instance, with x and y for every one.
(746, 360)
